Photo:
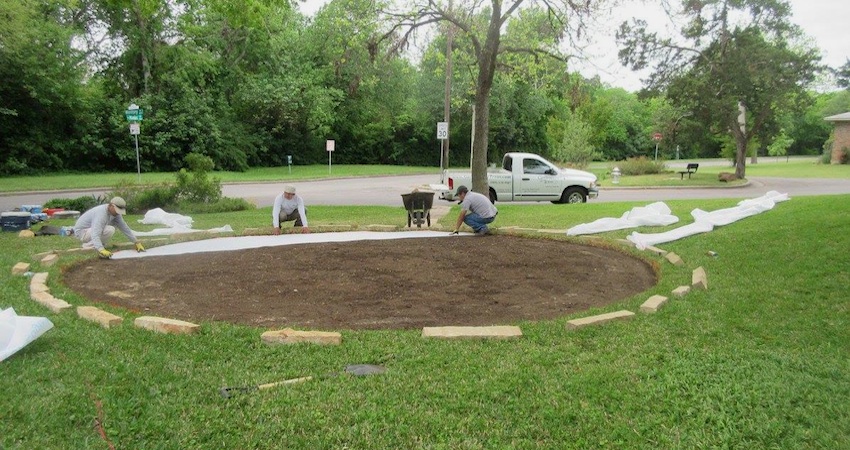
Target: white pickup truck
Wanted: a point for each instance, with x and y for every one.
(526, 177)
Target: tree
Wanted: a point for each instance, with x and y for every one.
(729, 53)
(620, 122)
(374, 113)
(483, 26)
(41, 93)
(570, 140)
(842, 75)
(780, 145)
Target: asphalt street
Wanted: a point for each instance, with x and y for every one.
(386, 191)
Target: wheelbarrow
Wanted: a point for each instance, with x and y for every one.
(418, 206)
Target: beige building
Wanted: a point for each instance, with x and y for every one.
(842, 136)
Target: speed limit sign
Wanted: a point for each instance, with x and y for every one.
(442, 130)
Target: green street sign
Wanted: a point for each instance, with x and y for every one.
(134, 115)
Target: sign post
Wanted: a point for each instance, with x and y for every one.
(442, 135)
(134, 115)
(289, 163)
(329, 145)
(656, 137)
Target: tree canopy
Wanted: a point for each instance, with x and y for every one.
(734, 65)
(248, 83)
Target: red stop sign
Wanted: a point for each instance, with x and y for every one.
(656, 136)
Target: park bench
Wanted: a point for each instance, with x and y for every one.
(692, 168)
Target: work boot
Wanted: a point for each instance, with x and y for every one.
(482, 232)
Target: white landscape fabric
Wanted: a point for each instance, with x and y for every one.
(706, 221)
(176, 223)
(246, 242)
(16, 332)
(654, 214)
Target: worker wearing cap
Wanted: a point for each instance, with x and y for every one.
(289, 206)
(97, 225)
(476, 210)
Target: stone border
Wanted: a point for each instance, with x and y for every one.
(41, 294)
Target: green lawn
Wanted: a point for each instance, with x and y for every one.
(271, 174)
(760, 360)
(706, 175)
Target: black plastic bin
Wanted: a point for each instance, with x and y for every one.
(418, 206)
(15, 220)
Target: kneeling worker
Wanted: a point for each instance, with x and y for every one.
(95, 227)
(289, 206)
(476, 210)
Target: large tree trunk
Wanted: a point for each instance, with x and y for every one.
(740, 151)
(740, 156)
(144, 47)
(739, 131)
(447, 100)
(486, 71)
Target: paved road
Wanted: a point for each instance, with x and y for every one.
(388, 190)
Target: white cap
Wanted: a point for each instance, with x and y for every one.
(119, 204)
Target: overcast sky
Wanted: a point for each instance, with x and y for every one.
(825, 21)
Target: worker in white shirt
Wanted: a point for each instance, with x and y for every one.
(289, 206)
(97, 225)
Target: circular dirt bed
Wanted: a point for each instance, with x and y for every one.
(390, 284)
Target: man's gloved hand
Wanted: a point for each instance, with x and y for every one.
(104, 254)
(140, 247)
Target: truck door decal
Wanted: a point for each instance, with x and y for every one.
(537, 182)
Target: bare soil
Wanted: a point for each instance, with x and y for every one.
(390, 284)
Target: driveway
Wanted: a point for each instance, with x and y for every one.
(386, 191)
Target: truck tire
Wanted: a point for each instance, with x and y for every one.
(574, 194)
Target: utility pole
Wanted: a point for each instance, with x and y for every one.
(447, 100)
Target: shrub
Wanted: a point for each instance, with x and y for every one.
(826, 157)
(224, 204)
(142, 198)
(195, 185)
(641, 166)
(162, 196)
(81, 204)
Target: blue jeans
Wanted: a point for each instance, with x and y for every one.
(476, 222)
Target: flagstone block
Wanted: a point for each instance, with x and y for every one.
(165, 325)
(699, 279)
(674, 259)
(652, 304)
(599, 319)
(97, 315)
(488, 332)
(20, 268)
(290, 336)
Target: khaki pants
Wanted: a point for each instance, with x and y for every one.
(85, 236)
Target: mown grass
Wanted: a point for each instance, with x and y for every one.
(262, 174)
(706, 175)
(760, 360)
